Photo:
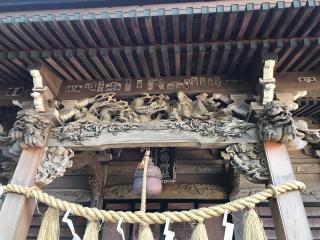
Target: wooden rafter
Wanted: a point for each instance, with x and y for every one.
(162, 60)
(161, 26)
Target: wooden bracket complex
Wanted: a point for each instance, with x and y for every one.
(40, 93)
(45, 89)
(47, 77)
(268, 82)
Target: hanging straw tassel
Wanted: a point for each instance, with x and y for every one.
(50, 227)
(253, 227)
(145, 233)
(91, 232)
(200, 232)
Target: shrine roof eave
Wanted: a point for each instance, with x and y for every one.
(168, 24)
(234, 59)
(28, 5)
(37, 5)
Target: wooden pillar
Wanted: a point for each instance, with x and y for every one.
(289, 216)
(17, 211)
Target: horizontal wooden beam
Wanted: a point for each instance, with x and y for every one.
(225, 84)
(170, 191)
(295, 82)
(9, 92)
(154, 135)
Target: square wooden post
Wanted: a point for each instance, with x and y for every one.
(17, 211)
(289, 216)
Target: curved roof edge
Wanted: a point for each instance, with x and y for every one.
(28, 5)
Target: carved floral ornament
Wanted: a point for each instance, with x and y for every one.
(204, 114)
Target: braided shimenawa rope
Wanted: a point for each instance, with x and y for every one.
(94, 214)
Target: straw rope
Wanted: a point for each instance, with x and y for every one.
(94, 214)
(144, 164)
(145, 232)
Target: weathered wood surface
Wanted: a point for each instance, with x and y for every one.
(226, 84)
(52, 81)
(9, 92)
(170, 191)
(110, 231)
(287, 209)
(17, 210)
(130, 87)
(211, 168)
(313, 214)
(71, 194)
(154, 138)
(192, 166)
(306, 169)
(293, 82)
(196, 170)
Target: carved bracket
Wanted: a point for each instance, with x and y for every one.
(30, 130)
(248, 159)
(268, 82)
(276, 124)
(54, 164)
(40, 93)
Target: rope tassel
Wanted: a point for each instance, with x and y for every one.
(199, 232)
(253, 226)
(145, 233)
(91, 232)
(50, 227)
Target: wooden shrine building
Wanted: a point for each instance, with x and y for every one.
(226, 94)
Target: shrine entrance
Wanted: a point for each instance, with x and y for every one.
(175, 115)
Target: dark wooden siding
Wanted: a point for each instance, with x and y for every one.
(313, 214)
